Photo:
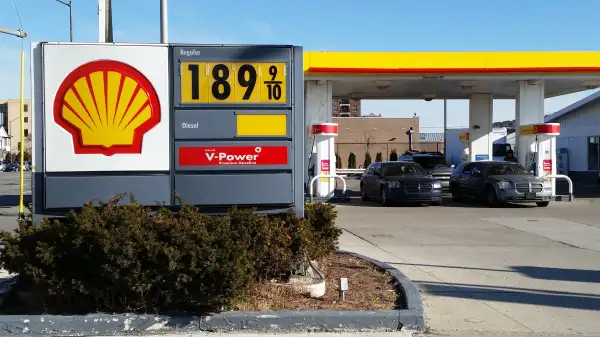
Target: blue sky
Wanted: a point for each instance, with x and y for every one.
(349, 25)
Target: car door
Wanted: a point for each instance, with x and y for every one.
(464, 179)
(377, 173)
(367, 180)
(477, 181)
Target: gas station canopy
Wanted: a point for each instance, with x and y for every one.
(452, 75)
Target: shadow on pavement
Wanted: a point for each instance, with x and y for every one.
(557, 299)
(11, 200)
(559, 274)
(542, 273)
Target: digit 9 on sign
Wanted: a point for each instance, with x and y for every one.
(232, 83)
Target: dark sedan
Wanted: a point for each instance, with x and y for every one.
(498, 182)
(435, 164)
(400, 181)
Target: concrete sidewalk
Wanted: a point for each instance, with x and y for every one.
(521, 270)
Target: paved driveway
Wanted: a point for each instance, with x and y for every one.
(519, 269)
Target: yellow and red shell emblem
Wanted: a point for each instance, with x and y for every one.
(107, 107)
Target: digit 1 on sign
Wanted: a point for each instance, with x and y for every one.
(194, 82)
(195, 70)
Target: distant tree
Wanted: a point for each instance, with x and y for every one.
(352, 160)
(338, 161)
(378, 157)
(393, 155)
(368, 160)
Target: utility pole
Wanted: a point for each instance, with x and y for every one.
(164, 28)
(20, 34)
(70, 5)
(105, 29)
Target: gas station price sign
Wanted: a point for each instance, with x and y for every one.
(233, 82)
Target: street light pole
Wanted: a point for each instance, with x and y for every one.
(21, 34)
(164, 26)
(70, 5)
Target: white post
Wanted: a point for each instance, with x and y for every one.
(445, 127)
(164, 28)
(101, 21)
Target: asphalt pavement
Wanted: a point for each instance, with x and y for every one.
(9, 198)
(510, 271)
(518, 269)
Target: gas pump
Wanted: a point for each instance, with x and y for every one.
(465, 155)
(324, 161)
(540, 146)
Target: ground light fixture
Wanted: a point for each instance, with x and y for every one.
(21, 34)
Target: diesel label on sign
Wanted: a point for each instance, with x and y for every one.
(233, 155)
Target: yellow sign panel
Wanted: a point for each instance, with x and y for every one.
(233, 83)
(261, 125)
(527, 129)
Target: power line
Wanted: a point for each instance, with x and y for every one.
(18, 15)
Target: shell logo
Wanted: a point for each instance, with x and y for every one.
(107, 107)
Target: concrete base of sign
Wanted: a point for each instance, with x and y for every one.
(411, 317)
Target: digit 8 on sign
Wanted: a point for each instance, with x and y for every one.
(221, 89)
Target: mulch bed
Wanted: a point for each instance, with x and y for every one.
(368, 289)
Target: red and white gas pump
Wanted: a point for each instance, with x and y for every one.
(324, 161)
(540, 141)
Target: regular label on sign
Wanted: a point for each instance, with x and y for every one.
(232, 155)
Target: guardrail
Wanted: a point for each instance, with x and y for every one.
(331, 176)
(562, 176)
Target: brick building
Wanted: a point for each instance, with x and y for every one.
(377, 134)
(346, 107)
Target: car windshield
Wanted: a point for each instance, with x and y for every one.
(431, 162)
(402, 169)
(506, 168)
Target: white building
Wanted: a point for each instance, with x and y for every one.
(580, 137)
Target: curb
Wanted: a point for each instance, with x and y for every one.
(273, 321)
(413, 317)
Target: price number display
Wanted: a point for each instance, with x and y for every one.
(233, 83)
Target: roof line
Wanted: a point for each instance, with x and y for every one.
(565, 111)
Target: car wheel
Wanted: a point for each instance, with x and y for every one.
(543, 203)
(384, 197)
(455, 193)
(363, 193)
(490, 197)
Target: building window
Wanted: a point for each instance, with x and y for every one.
(26, 133)
(26, 119)
(25, 107)
(593, 153)
(354, 108)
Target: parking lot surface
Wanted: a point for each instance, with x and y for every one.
(513, 269)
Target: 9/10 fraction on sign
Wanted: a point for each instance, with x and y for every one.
(233, 83)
